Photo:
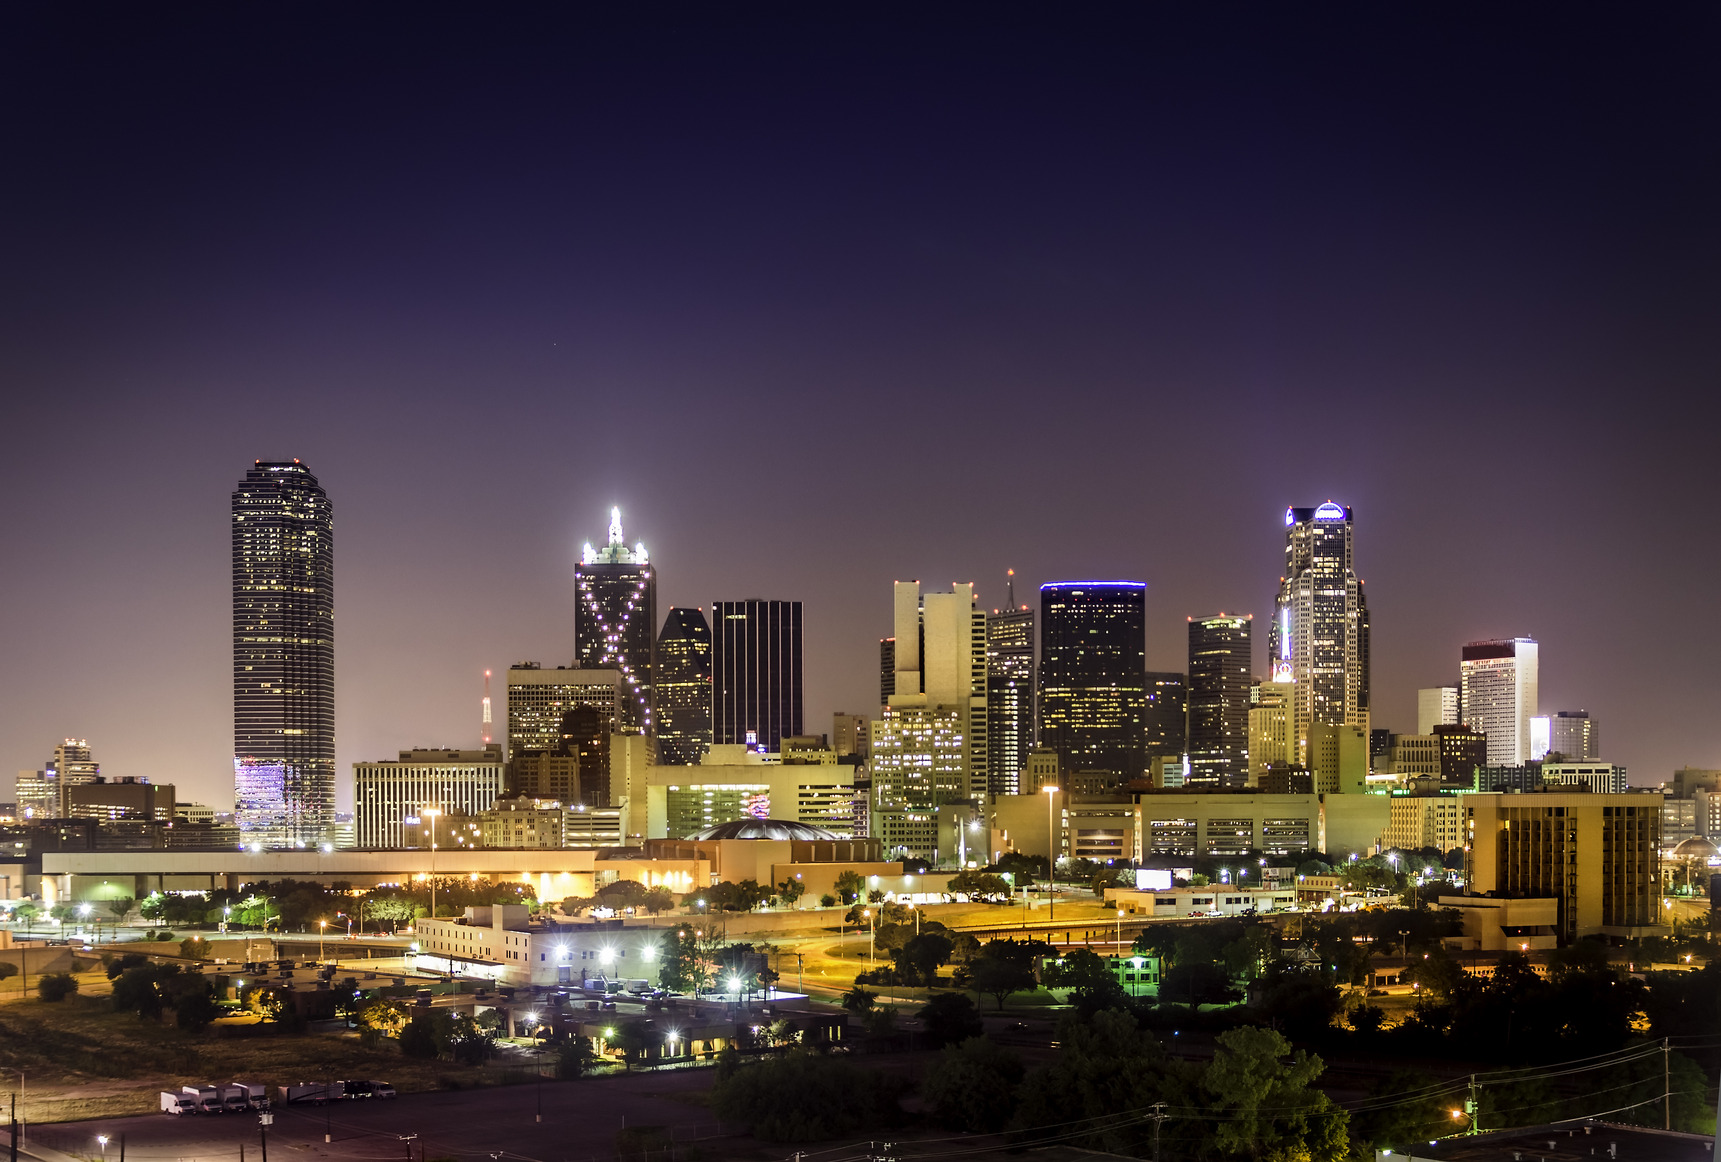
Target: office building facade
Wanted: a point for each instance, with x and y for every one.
(1319, 638)
(1219, 692)
(1570, 734)
(1009, 696)
(756, 682)
(539, 699)
(1166, 720)
(1436, 706)
(1093, 676)
(391, 795)
(113, 800)
(1595, 854)
(1499, 681)
(283, 656)
(683, 687)
(615, 623)
(851, 734)
(1270, 741)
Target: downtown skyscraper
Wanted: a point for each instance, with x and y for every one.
(615, 622)
(1219, 663)
(1093, 676)
(1319, 636)
(756, 687)
(283, 656)
(1501, 681)
(683, 688)
(1009, 694)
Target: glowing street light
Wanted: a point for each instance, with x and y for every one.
(1051, 853)
(103, 1139)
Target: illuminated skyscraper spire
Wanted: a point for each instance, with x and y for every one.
(1319, 635)
(615, 622)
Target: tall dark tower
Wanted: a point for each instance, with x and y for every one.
(1167, 714)
(615, 621)
(1009, 693)
(1219, 663)
(283, 656)
(683, 688)
(756, 671)
(1093, 676)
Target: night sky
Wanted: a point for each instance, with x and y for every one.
(829, 296)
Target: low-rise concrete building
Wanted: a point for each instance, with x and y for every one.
(1212, 900)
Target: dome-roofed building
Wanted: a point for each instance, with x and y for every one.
(1697, 848)
(751, 828)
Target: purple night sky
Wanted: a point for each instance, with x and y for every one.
(823, 300)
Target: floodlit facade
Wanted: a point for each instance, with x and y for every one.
(615, 623)
(1436, 706)
(1419, 821)
(1219, 694)
(389, 792)
(1500, 680)
(1093, 676)
(683, 687)
(734, 783)
(930, 744)
(283, 655)
(1319, 638)
(756, 673)
(1270, 738)
(1595, 855)
(1604, 778)
(539, 699)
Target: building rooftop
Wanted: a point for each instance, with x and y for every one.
(764, 829)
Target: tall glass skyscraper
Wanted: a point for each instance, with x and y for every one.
(1319, 635)
(1167, 714)
(1093, 676)
(1219, 700)
(1009, 696)
(683, 688)
(283, 656)
(755, 672)
(615, 622)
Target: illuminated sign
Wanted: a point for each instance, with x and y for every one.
(1330, 511)
(1284, 633)
(1289, 519)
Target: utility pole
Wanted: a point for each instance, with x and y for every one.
(14, 1128)
(264, 1121)
(1158, 1116)
(1666, 1086)
(1473, 1107)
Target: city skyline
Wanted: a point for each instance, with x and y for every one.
(1127, 287)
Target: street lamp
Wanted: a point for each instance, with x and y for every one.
(1120, 932)
(1051, 853)
(872, 932)
(103, 1139)
(322, 938)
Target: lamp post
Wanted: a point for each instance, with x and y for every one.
(322, 938)
(433, 812)
(1051, 853)
(103, 1140)
(872, 933)
(1120, 933)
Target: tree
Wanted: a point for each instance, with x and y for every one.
(192, 999)
(1002, 968)
(950, 1018)
(468, 1041)
(790, 891)
(923, 955)
(858, 1001)
(424, 1036)
(1104, 1065)
(1299, 1000)
(635, 1039)
(980, 885)
(972, 1086)
(574, 1057)
(800, 1097)
(1263, 1107)
(849, 885)
(1092, 984)
(7, 970)
(378, 1019)
(194, 948)
(121, 907)
(115, 965)
(56, 986)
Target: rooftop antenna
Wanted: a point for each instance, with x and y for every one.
(1010, 584)
(486, 730)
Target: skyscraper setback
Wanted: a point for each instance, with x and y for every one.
(615, 622)
(1319, 635)
(756, 687)
(1219, 663)
(1093, 676)
(283, 655)
(683, 688)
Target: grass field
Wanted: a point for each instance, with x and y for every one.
(80, 1060)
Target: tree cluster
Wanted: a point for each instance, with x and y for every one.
(802, 1097)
